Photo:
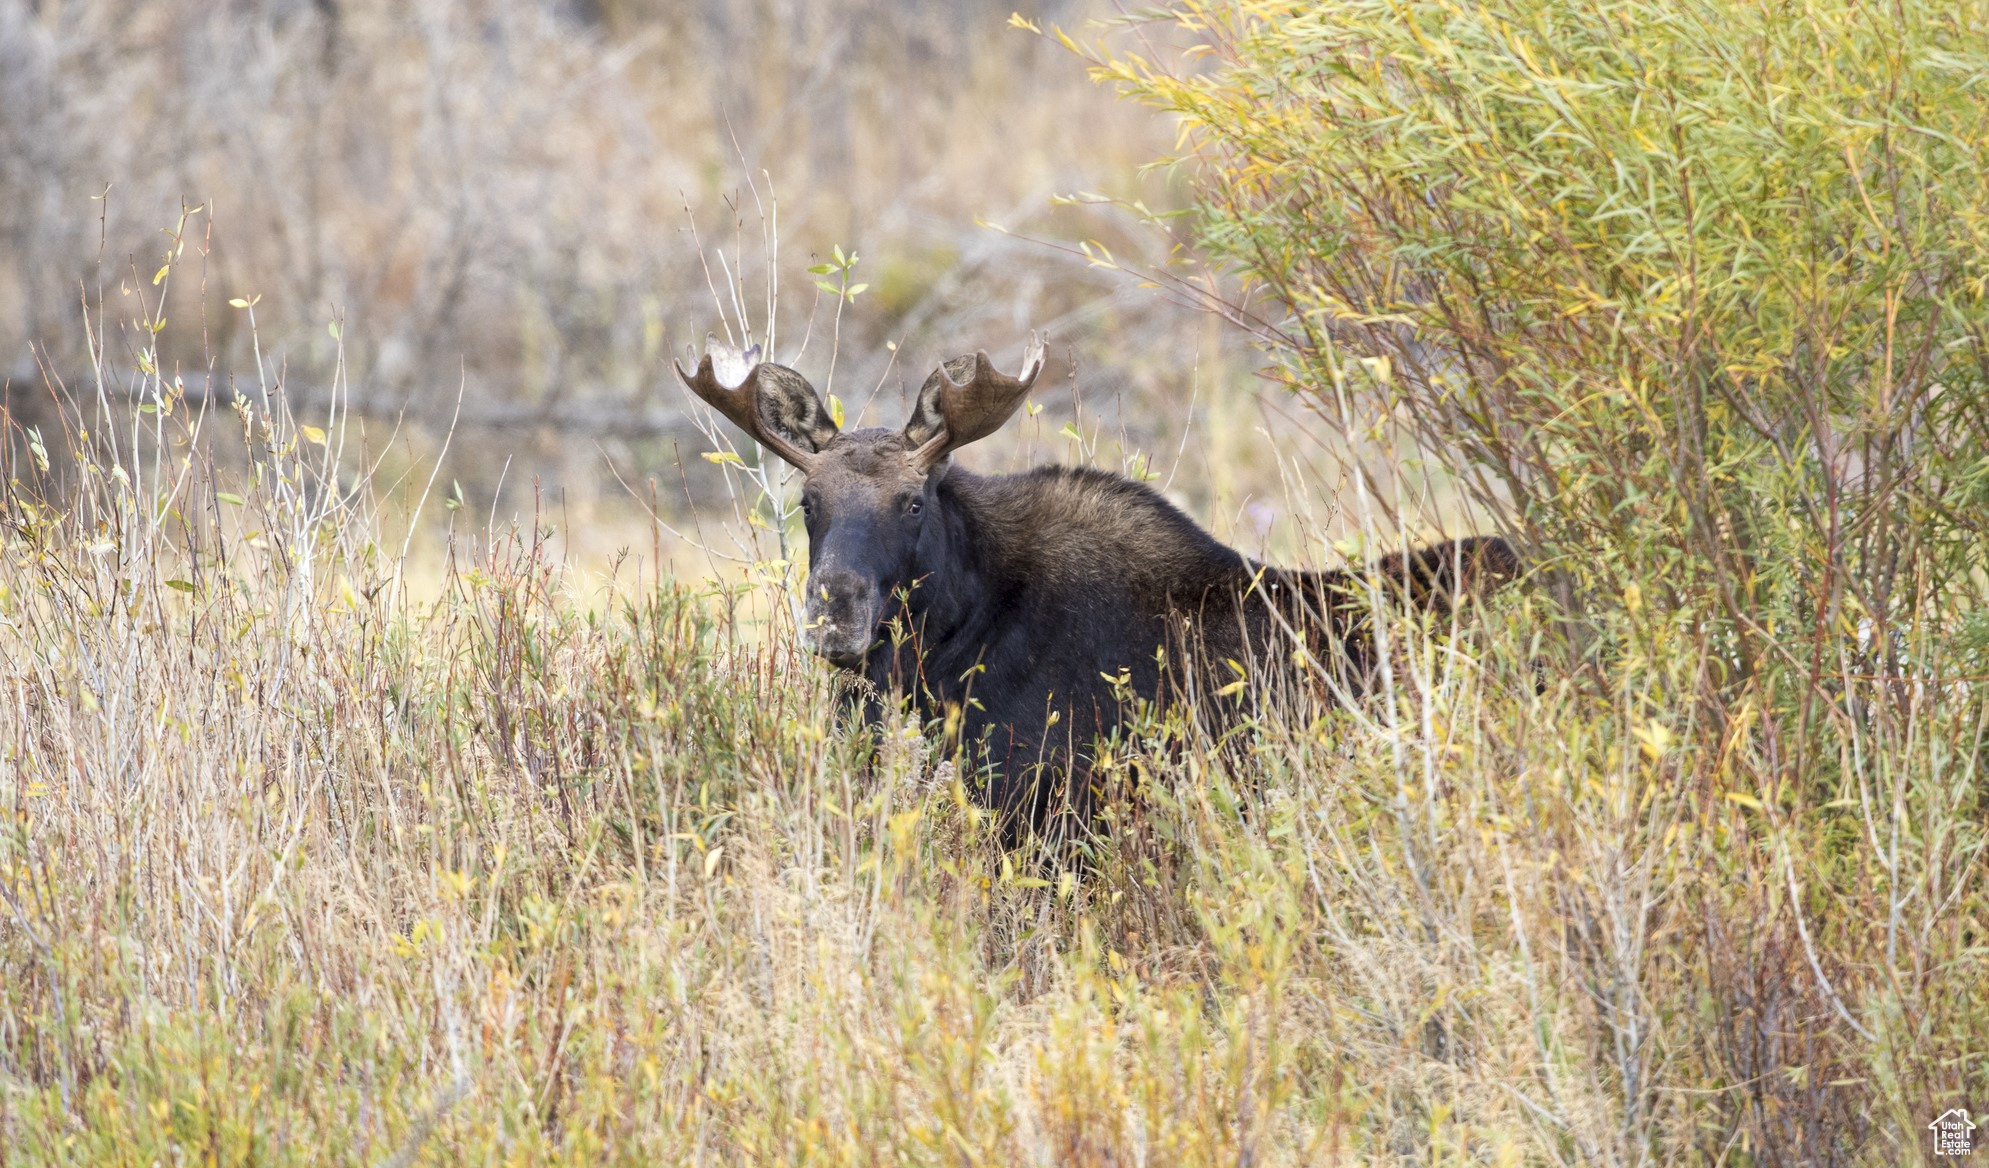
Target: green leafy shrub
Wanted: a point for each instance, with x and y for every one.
(1692, 296)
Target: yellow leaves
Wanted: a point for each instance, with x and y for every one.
(1656, 739)
(901, 827)
(455, 885)
(419, 935)
(723, 458)
(1587, 301)
(1234, 687)
(1009, 877)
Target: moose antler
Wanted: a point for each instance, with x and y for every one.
(731, 381)
(971, 399)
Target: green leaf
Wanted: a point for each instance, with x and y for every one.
(180, 585)
(230, 498)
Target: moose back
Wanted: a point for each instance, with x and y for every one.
(1025, 609)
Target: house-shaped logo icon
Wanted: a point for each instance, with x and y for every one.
(1951, 1132)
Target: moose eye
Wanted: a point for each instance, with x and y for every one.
(915, 506)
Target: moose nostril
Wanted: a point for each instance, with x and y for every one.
(838, 589)
(841, 617)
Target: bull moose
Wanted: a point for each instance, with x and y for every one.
(1023, 611)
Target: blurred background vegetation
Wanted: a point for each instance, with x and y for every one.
(537, 203)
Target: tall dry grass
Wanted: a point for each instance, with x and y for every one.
(305, 862)
(301, 866)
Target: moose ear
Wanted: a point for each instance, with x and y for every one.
(772, 403)
(966, 400)
(790, 407)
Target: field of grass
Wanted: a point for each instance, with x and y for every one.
(335, 838)
(345, 818)
(311, 859)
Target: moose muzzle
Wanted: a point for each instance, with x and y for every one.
(839, 621)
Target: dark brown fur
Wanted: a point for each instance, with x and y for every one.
(1052, 581)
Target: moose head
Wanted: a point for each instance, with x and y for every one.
(868, 496)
